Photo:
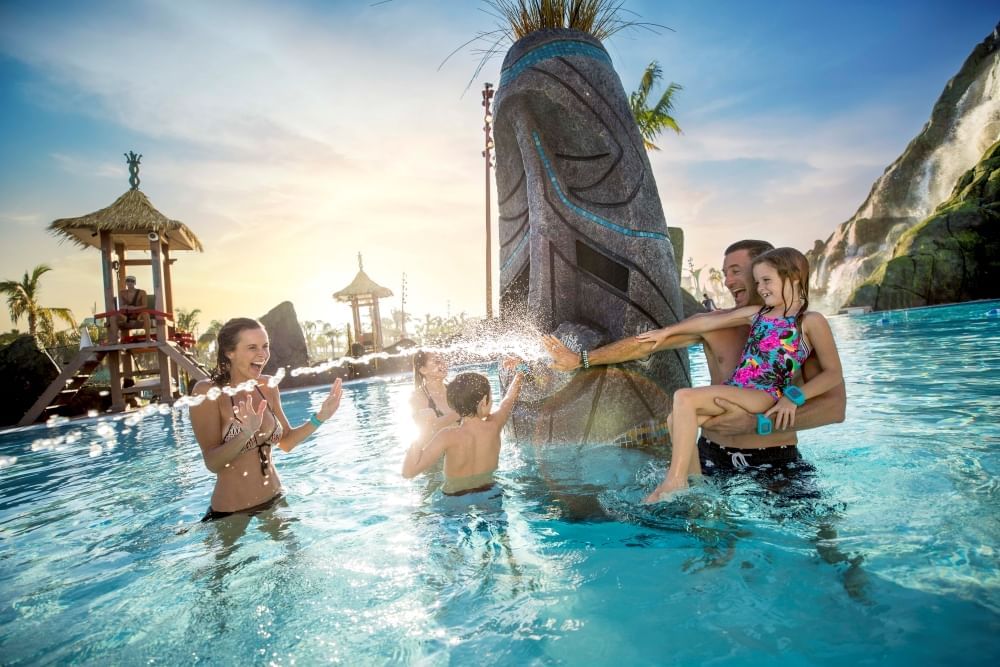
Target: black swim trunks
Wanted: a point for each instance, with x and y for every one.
(781, 469)
(718, 458)
(212, 515)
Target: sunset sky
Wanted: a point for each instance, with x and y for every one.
(292, 135)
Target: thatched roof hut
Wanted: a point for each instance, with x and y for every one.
(130, 219)
(362, 285)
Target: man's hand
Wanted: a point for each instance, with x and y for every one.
(563, 358)
(734, 421)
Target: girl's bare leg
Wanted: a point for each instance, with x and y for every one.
(689, 406)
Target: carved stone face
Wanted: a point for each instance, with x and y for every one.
(584, 251)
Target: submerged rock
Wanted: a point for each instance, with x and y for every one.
(584, 247)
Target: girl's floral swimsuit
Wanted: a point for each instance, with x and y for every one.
(773, 354)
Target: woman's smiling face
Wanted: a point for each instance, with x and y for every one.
(247, 361)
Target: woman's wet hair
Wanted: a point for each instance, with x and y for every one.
(228, 338)
(420, 360)
(792, 266)
(466, 391)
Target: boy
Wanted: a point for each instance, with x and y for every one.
(471, 449)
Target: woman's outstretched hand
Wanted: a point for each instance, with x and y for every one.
(332, 401)
(563, 358)
(249, 419)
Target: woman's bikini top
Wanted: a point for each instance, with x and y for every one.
(235, 428)
(430, 402)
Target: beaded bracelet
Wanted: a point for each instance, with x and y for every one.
(585, 358)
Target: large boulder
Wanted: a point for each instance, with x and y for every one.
(27, 372)
(964, 122)
(288, 344)
(953, 255)
(584, 248)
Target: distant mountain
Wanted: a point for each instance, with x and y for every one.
(964, 124)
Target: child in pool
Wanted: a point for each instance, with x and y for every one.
(782, 333)
(471, 449)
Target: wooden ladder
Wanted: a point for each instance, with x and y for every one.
(66, 386)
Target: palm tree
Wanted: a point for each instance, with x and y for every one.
(653, 120)
(22, 300)
(187, 320)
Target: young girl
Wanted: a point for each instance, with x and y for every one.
(782, 333)
(471, 449)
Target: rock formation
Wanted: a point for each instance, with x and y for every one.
(288, 344)
(585, 252)
(953, 255)
(965, 121)
(27, 372)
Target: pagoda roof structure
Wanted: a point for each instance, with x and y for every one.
(362, 285)
(131, 218)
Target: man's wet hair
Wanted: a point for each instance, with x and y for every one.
(466, 391)
(753, 246)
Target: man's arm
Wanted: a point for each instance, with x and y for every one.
(822, 410)
(626, 349)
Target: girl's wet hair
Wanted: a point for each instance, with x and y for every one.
(466, 391)
(791, 265)
(228, 338)
(420, 360)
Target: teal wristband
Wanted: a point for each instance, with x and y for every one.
(764, 425)
(315, 421)
(795, 394)
(522, 368)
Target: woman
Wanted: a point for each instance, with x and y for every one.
(429, 401)
(237, 432)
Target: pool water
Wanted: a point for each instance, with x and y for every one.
(103, 559)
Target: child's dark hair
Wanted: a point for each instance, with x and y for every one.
(466, 391)
(229, 336)
(791, 265)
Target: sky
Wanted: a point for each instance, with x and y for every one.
(290, 136)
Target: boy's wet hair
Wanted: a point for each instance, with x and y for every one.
(466, 391)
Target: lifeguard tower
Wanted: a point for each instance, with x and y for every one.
(130, 225)
(363, 292)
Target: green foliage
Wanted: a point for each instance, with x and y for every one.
(22, 301)
(653, 120)
(600, 18)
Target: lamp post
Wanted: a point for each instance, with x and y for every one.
(487, 153)
(402, 308)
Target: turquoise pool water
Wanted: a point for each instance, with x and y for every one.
(103, 561)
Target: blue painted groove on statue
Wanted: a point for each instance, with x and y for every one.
(514, 253)
(553, 50)
(593, 217)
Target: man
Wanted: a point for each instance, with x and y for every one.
(131, 301)
(730, 441)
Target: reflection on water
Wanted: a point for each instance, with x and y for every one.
(886, 553)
